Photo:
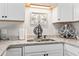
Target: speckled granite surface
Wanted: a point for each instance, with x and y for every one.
(5, 44)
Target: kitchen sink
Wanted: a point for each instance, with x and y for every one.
(41, 40)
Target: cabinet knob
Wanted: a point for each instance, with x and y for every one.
(5, 16)
(45, 54)
(58, 19)
(2, 16)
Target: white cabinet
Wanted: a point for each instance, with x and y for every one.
(15, 11)
(70, 50)
(4, 53)
(35, 54)
(65, 11)
(57, 52)
(44, 50)
(2, 11)
(34, 50)
(54, 49)
(12, 11)
(14, 52)
(76, 11)
(68, 53)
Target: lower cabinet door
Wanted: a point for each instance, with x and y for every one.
(71, 50)
(14, 52)
(48, 50)
(68, 53)
(4, 54)
(54, 54)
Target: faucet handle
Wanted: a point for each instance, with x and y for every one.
(45, 36)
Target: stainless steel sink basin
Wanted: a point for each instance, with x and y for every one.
(40, 40)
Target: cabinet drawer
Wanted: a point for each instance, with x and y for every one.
(35, 48)
(14, 49)
(34, 54)
(14, 52)
(53, 47)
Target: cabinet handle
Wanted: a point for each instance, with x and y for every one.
(2, 16)
(45, 54)
(5, 16)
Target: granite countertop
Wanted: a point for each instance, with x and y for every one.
(5, 44)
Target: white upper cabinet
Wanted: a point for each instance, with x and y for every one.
(65, 11)
(76, 11)
(12, 11)
(15, 11)
(1, 11)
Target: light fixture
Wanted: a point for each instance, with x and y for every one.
(30, 5)
(27, 4)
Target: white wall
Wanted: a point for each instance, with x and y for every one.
(49, 29)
